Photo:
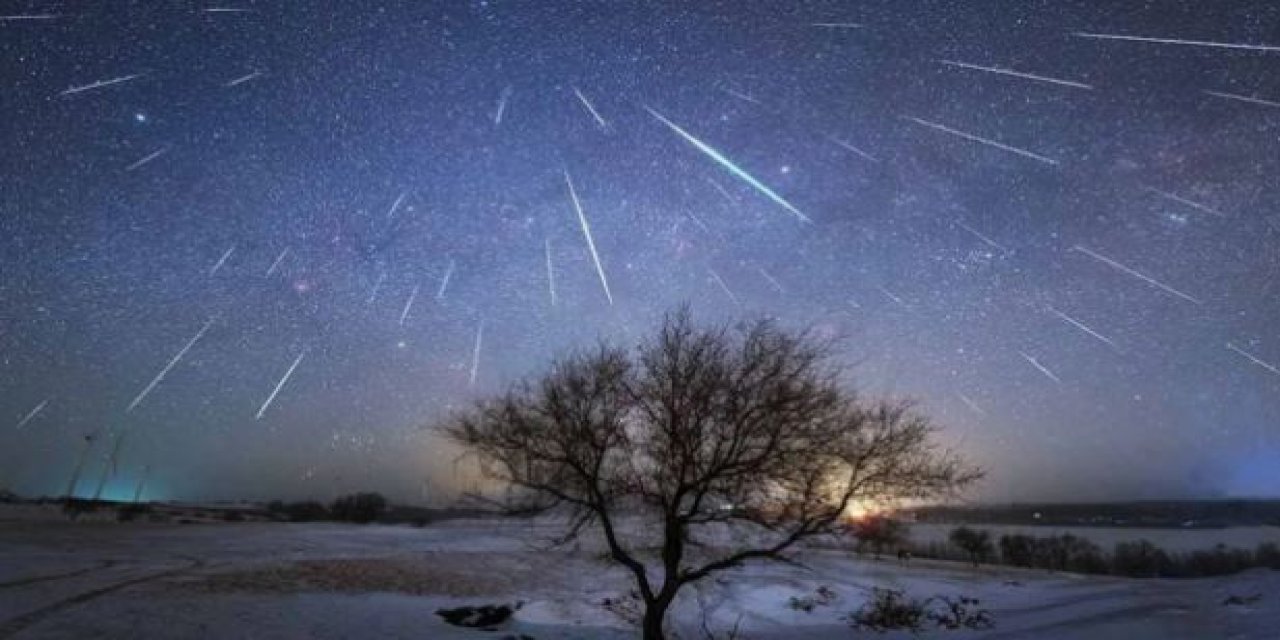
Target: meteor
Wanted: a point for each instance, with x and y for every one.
(100, 84)
(591, 109)
(991, 143)
(551, 273)
(1189, 203)
(1016, 74)
(165, 371)
(396, 205)
(836, 25)
(243, 79)
(586, 232)
(32, 414)
(971, 404)
(1240, 98)
(444, 282)
(849, 147)
(1177, 41)
(1254, 359)
(146, 159)
(1041, 368)
(502, 105)
(1082, 326)
(765, 274)
(475, 353)
(275, 265)
(981, 236)
(408, 304)
(280, 385)
(377, 284)
(221, 261)
(1137, 274)
(723, 287)
(728, 164)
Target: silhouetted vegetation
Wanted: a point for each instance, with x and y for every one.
(309, 511)
(975, 542)
(698, 428)
(1135, 559)
(361, 508)
(879, 534)
(893, 610)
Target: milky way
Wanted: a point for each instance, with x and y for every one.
(1055, 224)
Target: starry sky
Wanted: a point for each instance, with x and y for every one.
(257, 248)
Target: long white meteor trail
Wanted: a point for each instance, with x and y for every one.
(723, 287)
(1041, 368)
(30, 16)
(1143, 277)
(408, 304)
(981, 236)
(280, 385)
(1016, 74)
(728, 164)
(444, 282)
(836, 25)
(591, 109)
(100, 84)
(1177, 41)
(1179, 199)
(502, 106)
(32, 414)
(165, 371)
(279, 259)
(1240, 98)
(586, 232)
(475, 353)
(551, 272)
(148, 158)
(979, 139)
(1254, 359)
(1082, 326)
(243, 79)
(227, 10)
(223, 260)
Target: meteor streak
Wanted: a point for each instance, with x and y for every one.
(475, 353)
(280, 385)
(981, 236)
(148, 158)
(836, 25)
(849, 147)
(444, 282)
(740, 95)
(165, 371)
(971, 404)
(408, 304)
(1240, 98)
(1041, 368)
(723, 287)
(377, 284)
(243, 79)
(100, 84)
(279, 259)
(1189, 203)
(1143, 277)
(221, 261)
(32, 414)
(1176, 41)
(586, 232)
(502, 106)
(591, 109)
(551, 273)
(1082, 326)
(1016, 74)
(396, 205)
(991, 143)
(728, 164)
(776, 285)
(1254, 359)
(32, 16)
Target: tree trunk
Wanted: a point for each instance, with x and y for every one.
(654, 614)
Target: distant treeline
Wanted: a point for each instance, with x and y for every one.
(1175, 513)
(1066, 552)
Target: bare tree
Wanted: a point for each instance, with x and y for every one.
(743, 429)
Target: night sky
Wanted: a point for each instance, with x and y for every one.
(1062, 240)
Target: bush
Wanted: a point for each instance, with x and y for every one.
(130, 512)
(1267, 555)
(361, 508)
(975, 542)
(961, 613)
(1018, 550)
(1139, 559)
(889, 609)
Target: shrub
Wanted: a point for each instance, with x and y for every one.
(1267, 555)
(879, 533)
(1139, 559)
(975, 542)
(1018, 550)
(960, 613)
(360, 508)
(299, 511)
(889, 609)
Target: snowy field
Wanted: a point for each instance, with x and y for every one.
(256, 580)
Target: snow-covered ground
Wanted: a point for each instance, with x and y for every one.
(258, 580)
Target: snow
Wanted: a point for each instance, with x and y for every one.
(267, 580)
